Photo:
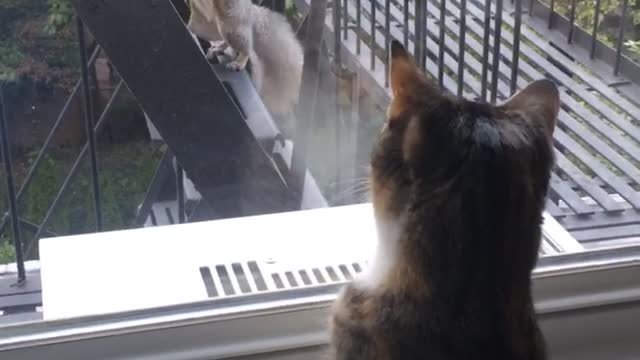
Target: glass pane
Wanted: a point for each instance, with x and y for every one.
(184, 124)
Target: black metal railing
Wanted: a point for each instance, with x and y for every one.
(24, 247)
(487, 50)
(480, 49)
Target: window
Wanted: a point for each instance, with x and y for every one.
(175, 201)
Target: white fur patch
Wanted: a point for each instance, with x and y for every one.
(389, 232)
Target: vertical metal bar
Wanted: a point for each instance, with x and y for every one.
(417, 31)
(336, 33)
(11, 190)
(552, 9)
(338, 74)
(497, 36)
(372, 66)
(358, 24)
(516, 46)
(530, 7)
(594, 33)
(424, 29)
(421, 33)
(443, 11)
(485, 49)
(180, 191)
(88, 119)
(572, 20)
(387, 39)
(406, 23)
(462, 45)
(345, 19)
(625, 8)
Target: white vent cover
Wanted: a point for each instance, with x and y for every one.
(150, 267)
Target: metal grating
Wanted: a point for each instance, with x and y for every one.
(597, 178)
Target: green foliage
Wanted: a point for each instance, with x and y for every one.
(125, 172)
(7, 253)
(60, 16)
(10, 57)
(37, 45)
(633, 46)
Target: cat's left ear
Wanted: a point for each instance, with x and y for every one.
(539, 101)
(409, 86)
(405, 77)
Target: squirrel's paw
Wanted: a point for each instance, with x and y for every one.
(235, 66)
(217, 48)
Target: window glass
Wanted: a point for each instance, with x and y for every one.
(184, 123)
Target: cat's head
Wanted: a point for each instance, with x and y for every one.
(428, 135)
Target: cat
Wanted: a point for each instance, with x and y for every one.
(458, 191)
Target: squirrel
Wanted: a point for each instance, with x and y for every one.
(258, 35)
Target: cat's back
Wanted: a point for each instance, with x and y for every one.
(386, 326)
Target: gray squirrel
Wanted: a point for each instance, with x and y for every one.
(258, 35)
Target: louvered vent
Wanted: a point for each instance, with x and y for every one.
(224, 280)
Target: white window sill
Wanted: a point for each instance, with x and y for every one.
(149, 281)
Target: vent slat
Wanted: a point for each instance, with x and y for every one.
(241, 277)
(277, 280)
(209, 285)
(258, 277)
(306, 278)
(225, 279)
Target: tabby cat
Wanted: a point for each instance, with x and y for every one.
(458, 191)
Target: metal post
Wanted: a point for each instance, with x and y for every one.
(406, 23)
(625, 8)
(485, 49)
(516, 47)
(372, 65)
(572, 20)
(180, 191)
(594, 33)
(358, 24)
(462, 45)
(443, 12)
(13, 206)
(387, 39)
(89, 124)
(497, 37)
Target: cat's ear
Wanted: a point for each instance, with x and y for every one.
(409, 86)
(405, 77)
(540, 101)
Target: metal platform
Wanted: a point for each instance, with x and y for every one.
(595, 190)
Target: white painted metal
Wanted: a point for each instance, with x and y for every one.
(160, 266)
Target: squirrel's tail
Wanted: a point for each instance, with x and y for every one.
(281, 60)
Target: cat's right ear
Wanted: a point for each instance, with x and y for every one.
(540, 100)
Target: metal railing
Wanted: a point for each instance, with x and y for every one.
(471, 48)
(487, 50)
(24, 247)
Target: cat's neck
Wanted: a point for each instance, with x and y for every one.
(387, 252)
